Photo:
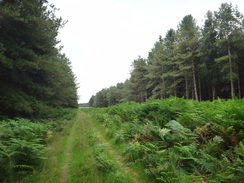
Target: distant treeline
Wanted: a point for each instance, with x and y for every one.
(193, 62)
(84, 105)
(35, 77)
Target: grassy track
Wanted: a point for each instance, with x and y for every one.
(71, 159)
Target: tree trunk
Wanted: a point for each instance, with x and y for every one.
(187, 95)
(161, 92)
(231, 72)
(162, 89)
(194, 80)
(213, 92)
(200, 89)
(175, 88)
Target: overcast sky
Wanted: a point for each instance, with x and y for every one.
(103, 37)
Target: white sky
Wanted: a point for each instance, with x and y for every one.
(103, 37)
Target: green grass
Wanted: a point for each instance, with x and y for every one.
(55, 159)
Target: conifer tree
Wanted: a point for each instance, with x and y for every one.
(171, 64)
(155, 71)
(138, 81)
(188, 53)
(31, 66)
(229, 24)
(209, 54)
(194, 64)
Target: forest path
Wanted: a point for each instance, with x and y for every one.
(71, 157)
(73, 136)
(118, 159)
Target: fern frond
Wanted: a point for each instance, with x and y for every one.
(3, 150)
(217, 139)
(23, 167)
(176, 127)
(163, 132)
(239, 150)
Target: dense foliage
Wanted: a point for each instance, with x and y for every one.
(23, 144)
(179, 140)
(34, 76)
(21, 147)
(200, 63)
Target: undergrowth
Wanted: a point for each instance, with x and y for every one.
(105, 162)
(23, 143)
(178, 140)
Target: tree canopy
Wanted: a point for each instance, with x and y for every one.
(35, 76)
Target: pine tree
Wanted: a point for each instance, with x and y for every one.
(209, 51)
(188, 53)
(171, 64)
(155, 71)
(30, 60)
(229, 23)
(191, 63)
(138, 81)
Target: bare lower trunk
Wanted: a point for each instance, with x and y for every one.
(231, 73)
(174, 84)
(161, 89)
(214, 92)
(194, 80)
(187, 95)
(200, 89)
(175, 88)
(164, 90)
